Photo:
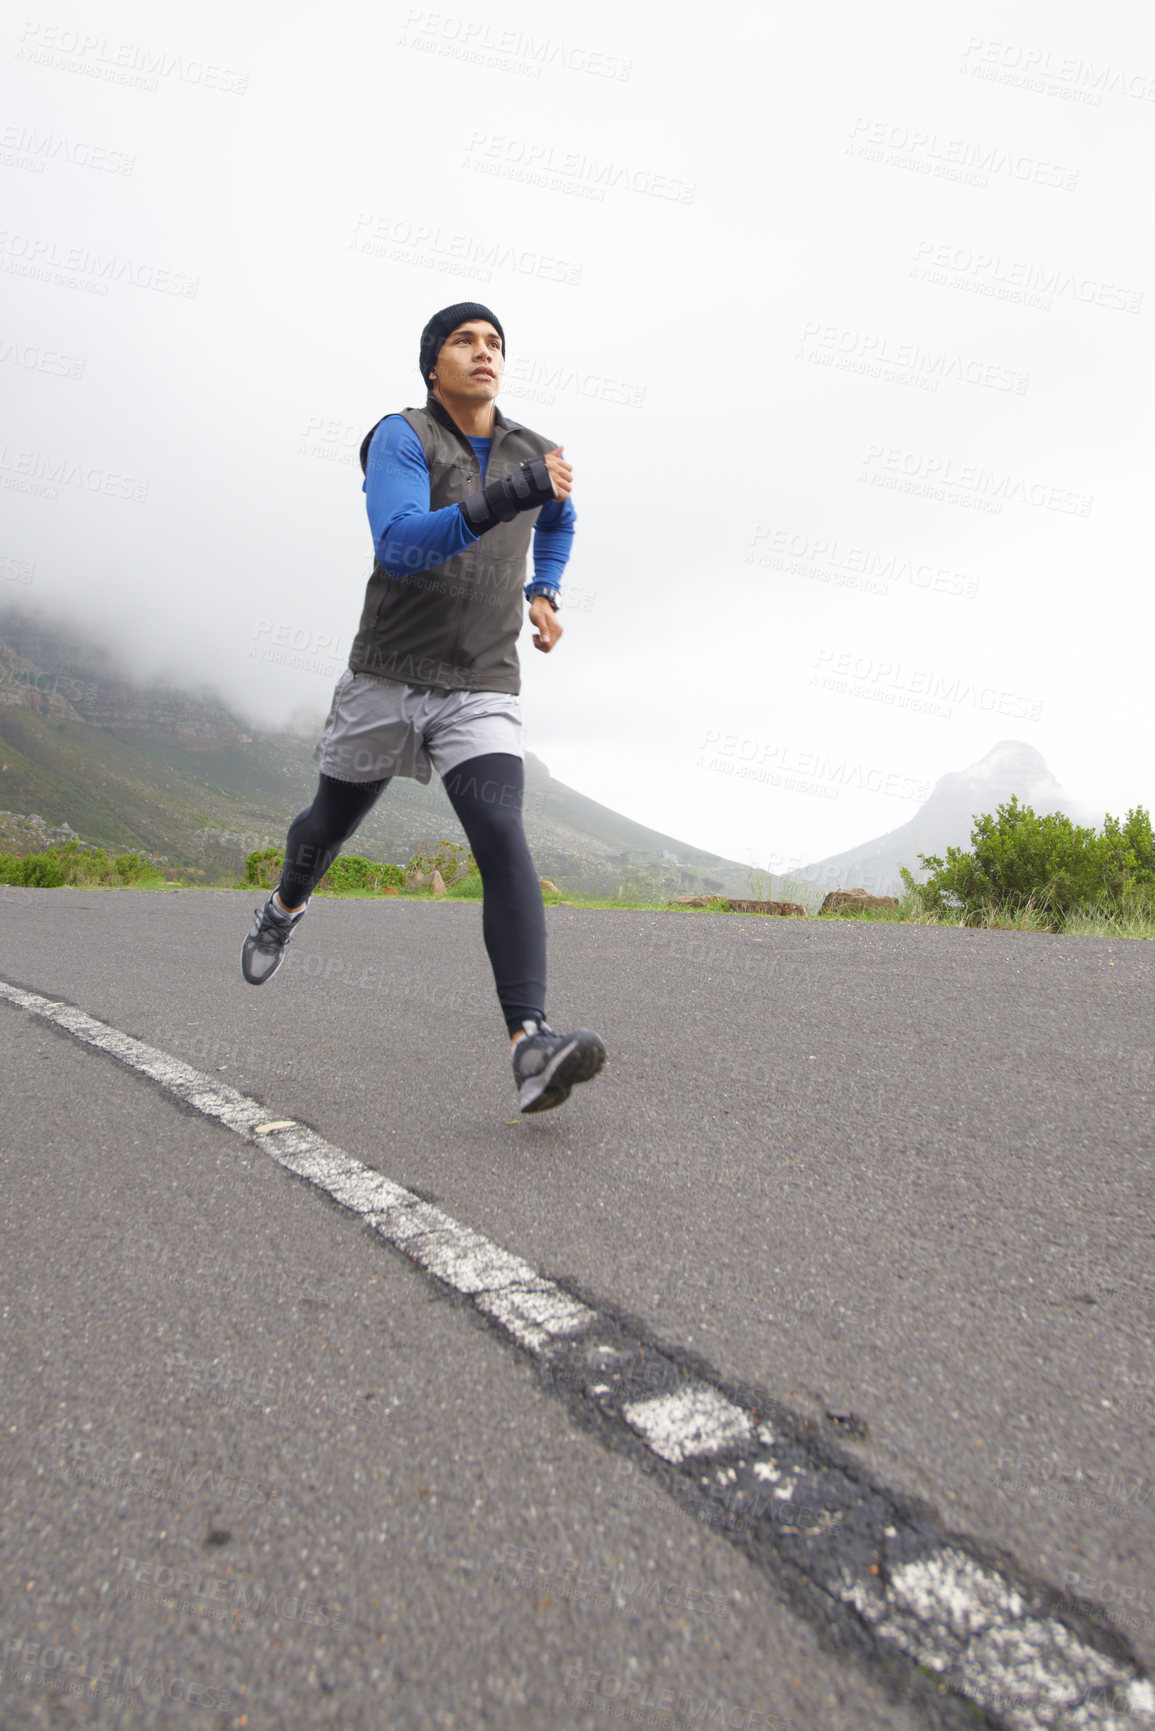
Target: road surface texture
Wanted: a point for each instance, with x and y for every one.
(797, 1373)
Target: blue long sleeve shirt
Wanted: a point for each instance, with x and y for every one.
(408, 536)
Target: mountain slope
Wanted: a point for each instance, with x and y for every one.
(945, 819)
(178, 776)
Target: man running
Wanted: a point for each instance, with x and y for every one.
(453, 492)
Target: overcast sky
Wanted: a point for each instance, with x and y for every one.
(843, 315)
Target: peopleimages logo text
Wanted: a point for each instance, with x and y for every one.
(59, 1667)
(103, 56)
(199, 1586)
(88, 1453)
(34, 359)
(778, 765)
(960, 153)
(973, 478)
(33, 471)
(476, 37)
(499, 149)
(1040, 63)
(992, 273)
(385, 236)
(37, 148)
(833, 343)
(37, 255)
(819, 555)
(891, 682)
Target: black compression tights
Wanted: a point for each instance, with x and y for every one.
(486, 793)
(317, 834)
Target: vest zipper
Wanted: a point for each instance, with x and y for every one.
(498, 434)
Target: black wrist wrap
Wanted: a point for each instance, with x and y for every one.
(528, 487)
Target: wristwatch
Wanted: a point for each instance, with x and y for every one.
(545, 595)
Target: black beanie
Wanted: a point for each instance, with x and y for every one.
(442, 324)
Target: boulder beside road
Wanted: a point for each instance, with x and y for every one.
(855, 900)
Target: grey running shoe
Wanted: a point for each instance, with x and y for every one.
(547, 1065)
(263, 950)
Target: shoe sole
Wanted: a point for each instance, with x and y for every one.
(580, 1063)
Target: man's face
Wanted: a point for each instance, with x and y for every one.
(470, 362)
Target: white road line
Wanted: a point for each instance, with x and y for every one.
(531, 1308)
(955, 1617)
(691, 1421)
(960, 1619)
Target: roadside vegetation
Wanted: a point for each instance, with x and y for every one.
(85, 867)
(1044, 874)
(1024, 872)
(350, 874)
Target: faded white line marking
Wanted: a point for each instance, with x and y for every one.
(965, 1623)
(532, 1309)
(691, 1421)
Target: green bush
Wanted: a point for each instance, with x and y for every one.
(1023, 864)
(40, 870)
(130, 868)
(1140, 838)
(351, 872)
(43, 871)
(451, 858)
(347, 872)
(72, 864)
(263, 867)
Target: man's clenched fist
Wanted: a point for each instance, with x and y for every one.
(547, 628)
(560, 472)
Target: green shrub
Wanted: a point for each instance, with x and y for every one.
(129, 868)
(347, 872)
(91, 867)
(1140, 838)
(76, 865)
(351, 872)
(263, 867)
(1023, 864)
(72, 864)
(43, 871)
(451, 858)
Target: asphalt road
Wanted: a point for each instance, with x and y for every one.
(899, 1179)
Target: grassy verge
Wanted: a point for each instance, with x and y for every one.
(1093, 922)
(1097, 922)
(93, 869)
(1089, 922)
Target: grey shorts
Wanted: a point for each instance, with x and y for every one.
(381, 727)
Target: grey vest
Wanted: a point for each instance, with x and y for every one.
(456, 625)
